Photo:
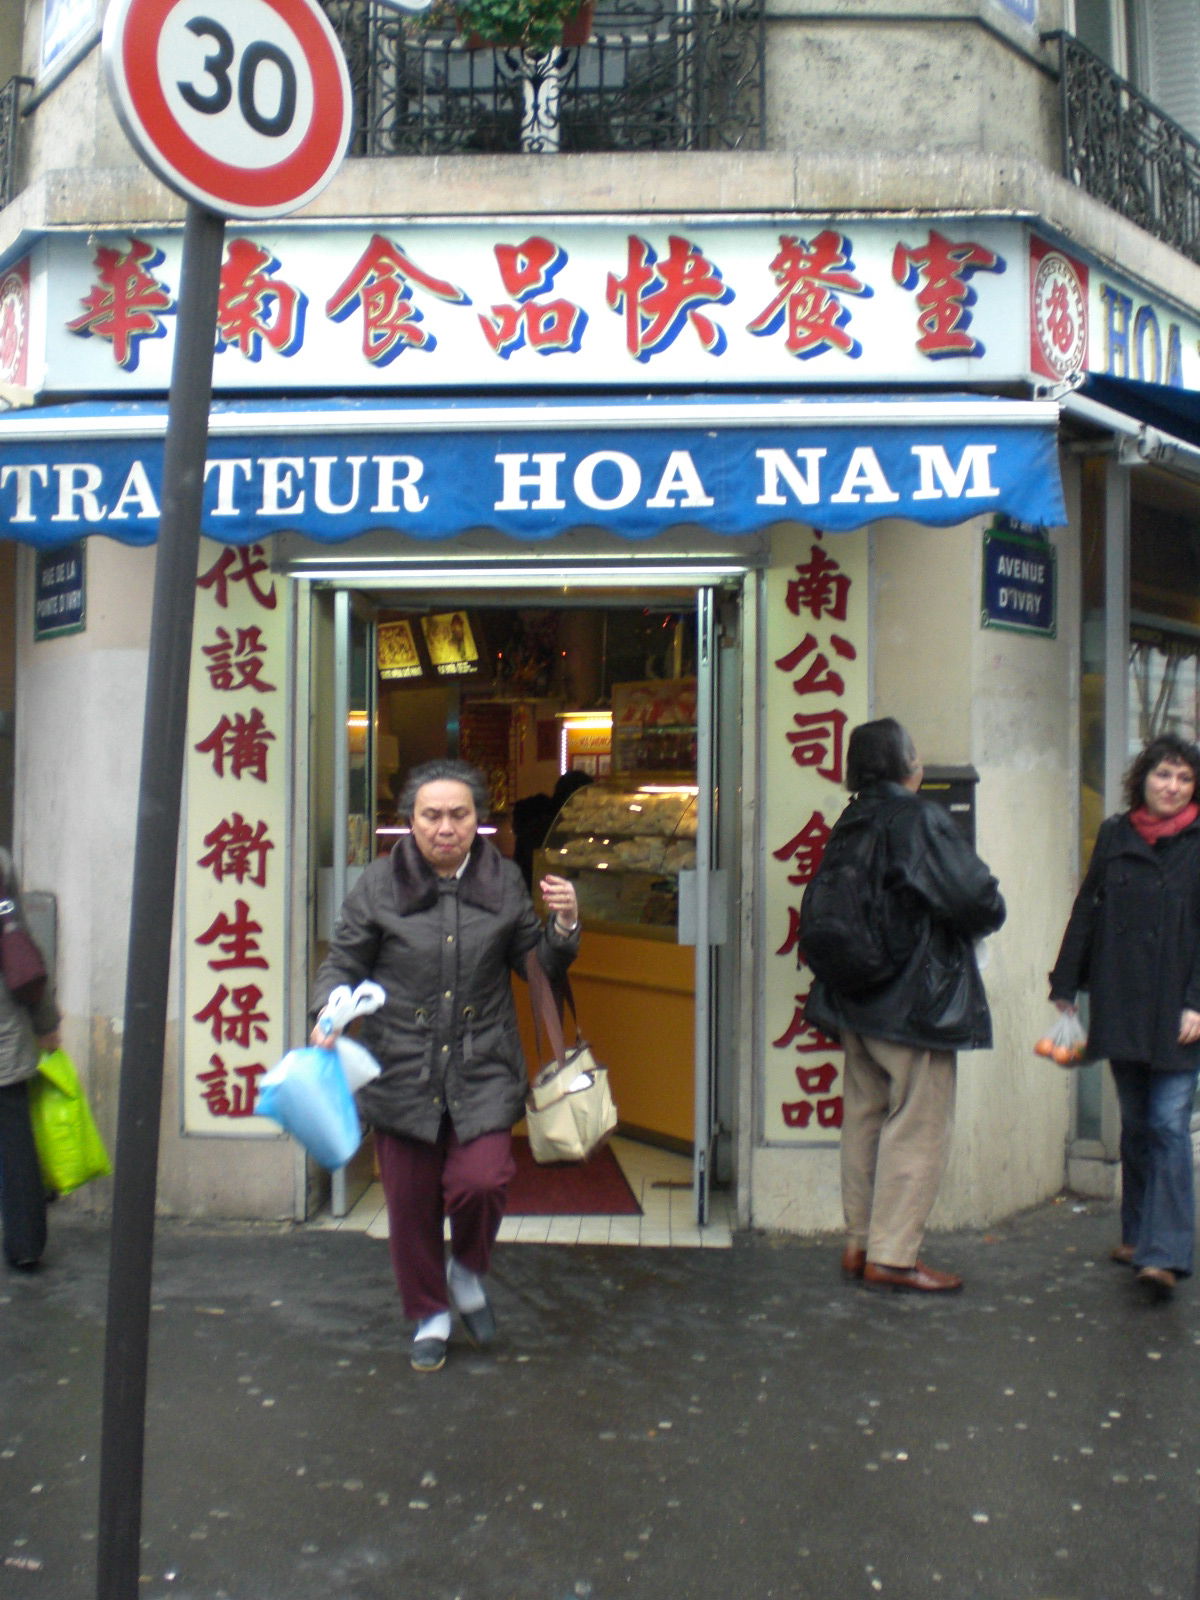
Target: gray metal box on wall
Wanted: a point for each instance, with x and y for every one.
(41, 918)
(954, 788)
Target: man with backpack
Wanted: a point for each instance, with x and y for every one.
(888, 927)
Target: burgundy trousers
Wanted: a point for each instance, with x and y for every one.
(424, 1184)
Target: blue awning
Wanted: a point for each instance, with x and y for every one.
(429, 469)
(1171, 411)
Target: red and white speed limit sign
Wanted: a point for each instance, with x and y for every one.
(240, 105)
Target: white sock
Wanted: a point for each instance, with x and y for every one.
(466, 1287)
(434, 1327)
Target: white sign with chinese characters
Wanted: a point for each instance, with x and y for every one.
(437, 305)
(817, 690)
(235, 903)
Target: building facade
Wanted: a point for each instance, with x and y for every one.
(658, 409)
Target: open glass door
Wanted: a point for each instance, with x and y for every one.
(702, 893)
(353, 833)
(658, 1012)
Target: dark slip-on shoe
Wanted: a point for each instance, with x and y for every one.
(480, 1325)
(428, 1355)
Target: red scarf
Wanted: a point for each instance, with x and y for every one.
(1153, 828)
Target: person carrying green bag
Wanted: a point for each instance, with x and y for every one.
(25, 1033)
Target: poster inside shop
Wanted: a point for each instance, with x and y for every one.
(817, 690)
(233, 1017)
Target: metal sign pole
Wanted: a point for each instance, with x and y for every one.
(123, 1424)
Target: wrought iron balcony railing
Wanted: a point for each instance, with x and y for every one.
(1119, 147)
(10, 107)
(654, 75)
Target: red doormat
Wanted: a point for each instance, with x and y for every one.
(595, 1188)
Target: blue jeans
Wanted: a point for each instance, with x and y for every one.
(22, 1192)
(1158, 1206)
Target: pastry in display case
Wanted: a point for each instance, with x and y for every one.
(623, 845)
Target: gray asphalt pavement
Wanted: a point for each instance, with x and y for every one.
(660, 1424)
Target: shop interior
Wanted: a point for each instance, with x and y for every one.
(583, 719)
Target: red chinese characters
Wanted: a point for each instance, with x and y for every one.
(1060, 318)
(235, 851)
(238, 746)
(942, 269)
(234, 1014)
(235, 940)
(127, 303)
(548, 327)
(236, 662)
(812, 278)
(820, 587)
(243, 565)
(658, 298)
(255, 306)
(819, 596)
(805, 849)
(380, 285)
(230, 1091)
(238, 850)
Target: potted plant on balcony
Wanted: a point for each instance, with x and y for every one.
(534, 26)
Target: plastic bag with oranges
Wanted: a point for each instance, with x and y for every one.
(1066, 1042)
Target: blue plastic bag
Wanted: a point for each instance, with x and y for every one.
(308, 1096)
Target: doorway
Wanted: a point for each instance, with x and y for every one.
(605, 720)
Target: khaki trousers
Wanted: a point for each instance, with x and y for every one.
(898, 1112)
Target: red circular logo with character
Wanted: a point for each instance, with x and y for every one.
(14, 327)
(1060, 316)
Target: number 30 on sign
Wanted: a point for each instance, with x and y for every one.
(242, 106)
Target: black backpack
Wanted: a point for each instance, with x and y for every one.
(856, 931)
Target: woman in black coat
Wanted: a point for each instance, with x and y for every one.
(1133, 942)
(441, 924)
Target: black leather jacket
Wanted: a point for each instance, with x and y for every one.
(937, 1002)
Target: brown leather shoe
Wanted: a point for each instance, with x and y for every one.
(923, 1279)
(854, 1259)
(1122, 1253)
(1158, 1282)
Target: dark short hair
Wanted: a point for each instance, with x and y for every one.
(879, 752)
(568, 783)
(444, 770)
(1163, 747)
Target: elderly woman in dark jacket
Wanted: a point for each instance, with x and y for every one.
(901, 1037)
(1133, 942)
(441, 923)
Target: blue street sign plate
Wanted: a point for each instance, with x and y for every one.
(1019, 582)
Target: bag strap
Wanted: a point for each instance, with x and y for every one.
(545, 1010)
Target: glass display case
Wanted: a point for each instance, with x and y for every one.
(623, 845)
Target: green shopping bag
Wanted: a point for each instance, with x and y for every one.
(69, 1146)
